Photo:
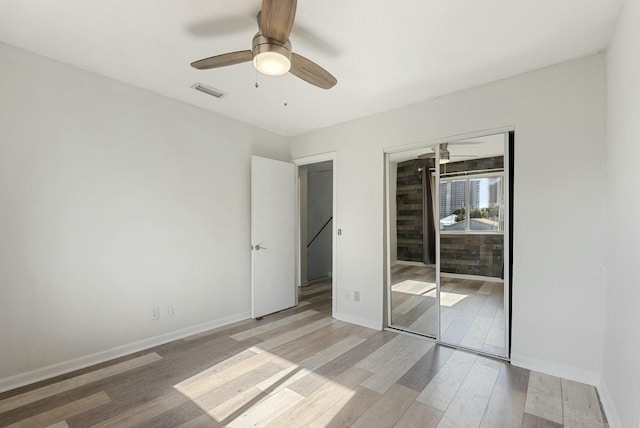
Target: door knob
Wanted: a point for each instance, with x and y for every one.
(259, 247)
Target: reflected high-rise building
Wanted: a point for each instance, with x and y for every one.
(453, 196)
(474, 194)
(494, 192)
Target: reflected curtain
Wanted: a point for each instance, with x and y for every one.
(428, 218)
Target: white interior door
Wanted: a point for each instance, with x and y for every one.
(272, 236)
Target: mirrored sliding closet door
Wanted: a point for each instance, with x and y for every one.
(471, 223)
(448, 238)
(412, 238)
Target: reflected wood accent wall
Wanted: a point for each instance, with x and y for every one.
(472, 254)
(473, 165)
(467, 254)
(409, 206)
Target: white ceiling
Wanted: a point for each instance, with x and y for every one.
(385, 54)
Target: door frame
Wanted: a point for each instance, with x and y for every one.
(308, 160)
(508, 240)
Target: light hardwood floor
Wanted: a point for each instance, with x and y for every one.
(302, 368)
(472, 311)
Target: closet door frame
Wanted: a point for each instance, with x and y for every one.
(508, 176)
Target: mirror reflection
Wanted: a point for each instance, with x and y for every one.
(471, 214)
(413, 214)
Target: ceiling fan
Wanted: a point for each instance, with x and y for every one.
(271, 49)
(445, 154)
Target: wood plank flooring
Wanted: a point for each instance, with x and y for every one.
(472, 311)
(301, 368)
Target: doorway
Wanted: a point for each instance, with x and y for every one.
(316, 267)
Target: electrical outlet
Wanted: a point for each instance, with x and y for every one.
(155, 313)
(169, 310)
(356, 296)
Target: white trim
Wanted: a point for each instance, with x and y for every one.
(307, 160)
(387, 230)
(472, 232)
(472, 277)
(363, 322)
(478, 134)
(322, 157)
(609, 407)
(27, 378)
(412, 263)
(317, 280)
(449, 139)
(298, 280)
(556, 369)
(506, 243)
(437, 229)
(474, 175)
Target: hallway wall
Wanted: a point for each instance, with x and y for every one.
(319, 210)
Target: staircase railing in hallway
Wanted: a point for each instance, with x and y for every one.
(320, 231)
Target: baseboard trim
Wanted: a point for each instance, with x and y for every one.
(37, 375)
(472, 277)
(609, 408)
(411, 263)
(317, 280)
(555, 369)
(364, 322)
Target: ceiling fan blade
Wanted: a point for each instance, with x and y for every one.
(276, 20)
(311, 72)
(223, 60)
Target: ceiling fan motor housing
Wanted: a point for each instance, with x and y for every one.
(265, 45)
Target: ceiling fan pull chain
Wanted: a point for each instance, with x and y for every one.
(286, 103)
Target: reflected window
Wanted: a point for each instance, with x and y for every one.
(453, 204)
(472, 204)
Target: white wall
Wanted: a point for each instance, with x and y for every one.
(620, 385)
(558, 114)
(113, 200)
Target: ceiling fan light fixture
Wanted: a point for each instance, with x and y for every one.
(271, 63)
(271, 57)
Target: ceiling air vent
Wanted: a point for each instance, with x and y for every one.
(209, 90)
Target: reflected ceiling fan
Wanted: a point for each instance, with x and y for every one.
(445, 154)
(271, 49)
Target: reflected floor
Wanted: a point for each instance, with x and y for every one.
(472, 310)
(413, 298)
(473, 314)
